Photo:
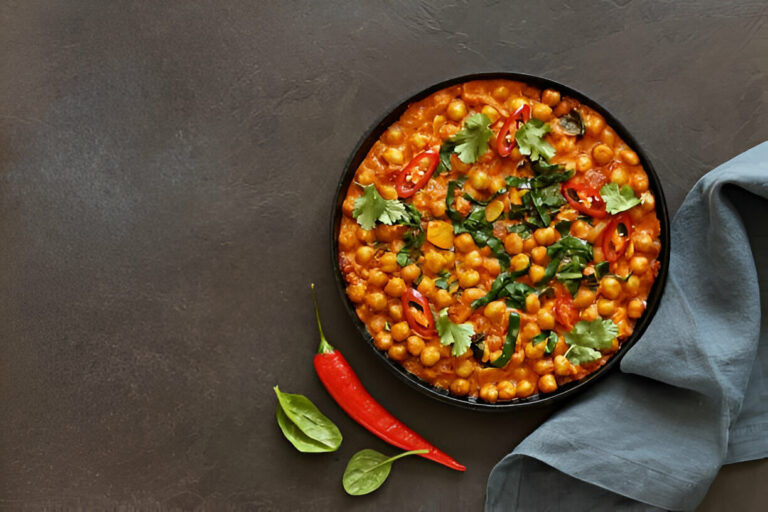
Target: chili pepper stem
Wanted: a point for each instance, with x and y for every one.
(324, 347)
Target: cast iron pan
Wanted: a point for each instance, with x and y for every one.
(568, 389)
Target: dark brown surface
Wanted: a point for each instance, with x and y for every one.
(167, 172)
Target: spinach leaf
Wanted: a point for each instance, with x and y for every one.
(505, 285)
(563, 227)
(550, 337)
(446, 150)
(521, 229)
(572, 123)
(368, 469)
(410, 252)
(304, 425)
(510, 342)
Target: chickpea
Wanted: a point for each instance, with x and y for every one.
(632, 285)
(429, 356)
(547, 383)
(605, 307)
(610, 287)
(415, 345)
(396, 312)
(520, 262)
(489, 393)
(490, 112)
(524, 388)
(590, 313)
(387, 191)
(584, 297)
(410, 272)
(562, 365)
(364, 254)
(473, 259)
(434, 262)
(460, 387)
(437, 208)
(513, 243)
(642, 240)
(400, 331)
(394, 135)
(472, 294)
(356, 292)
(395, 287)
(532, 303)
(639, 265)
(469, 278)
(539, 255)
(443, 298)
(385, 233)
(376, 301)
(377, 278)
(366, 236)
(382, 340)
(457, 110)
(629, 156)
(545, 236)
(521, 373)
(545, 319)
(594, 125)
(580, 229)
(492, 265)
(394, 156)
(583, 163)
(597, 254)
(464, 242)
(426, 286)
(518, 357)
(602, 154)
(550, 97)
(377, 323)
(608, 136)
(397, 352)
(536, 273)
(544, 366)
(347, 240)
(388, 262)
(535, 351)
(639, 182)
(529, 244)
(479, 179)
(419, 140)
(465, 368)
(497, 183)
(542, 112)
(530, 330)
(507, 390)
(619, 175)
(495, 311)
(635, 308)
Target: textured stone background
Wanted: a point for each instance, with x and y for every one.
(166, 176)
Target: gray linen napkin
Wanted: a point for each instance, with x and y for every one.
(693, 392)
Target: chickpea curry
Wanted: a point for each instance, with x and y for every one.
(499, 241)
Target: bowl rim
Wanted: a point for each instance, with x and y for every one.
(361, 150)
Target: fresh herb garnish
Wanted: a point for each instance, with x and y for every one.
(510, 342)
(443, 281)
(582, 355)
(505, 285)
(521, 229)
(459, 336)
(530, 140)
(302, 423)
(368, 469)
(618, 200)
(572, 123)
(371, 207)
(410, 251)
(550, 337)
(567, 259)
(563, 227)
(598, 334)
(472, 140)
(542, 202)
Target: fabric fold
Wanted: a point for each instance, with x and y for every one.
(692, 392)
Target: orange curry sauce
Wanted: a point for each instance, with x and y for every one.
(376, 281)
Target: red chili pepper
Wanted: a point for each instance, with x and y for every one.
(504, 147)
(565, 312)
(584, 199)
(614, 244)
(345, 387)
(426, 327)
(407, 187)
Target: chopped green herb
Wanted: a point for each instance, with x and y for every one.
(597, 334)
(563, 227)
(446, 150)
(582, 355)
(505, 285)
(521, 229)
(618, 200)
(530, 140)
(459, 336)
(371, 207)
(510, 342)
(472, 140)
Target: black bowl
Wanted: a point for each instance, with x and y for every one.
(572, 387)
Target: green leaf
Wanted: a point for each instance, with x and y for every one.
(510, 341)
(582, 355)
(304, 425)
(371, 207)
(563, 227)
(521, 229)
(457, 335)
(410, 252)
(572, 123)
(446, 150)
(530, 140)
(618, 200)
(472, 140)
(551, 342)
(368, 469)
(597, 334)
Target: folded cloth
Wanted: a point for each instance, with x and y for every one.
(692, 394)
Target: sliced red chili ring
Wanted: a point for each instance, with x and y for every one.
(426, 328)
(565, 312)
(405, 184)
(504, 146)
(615, 242)
(584, 199)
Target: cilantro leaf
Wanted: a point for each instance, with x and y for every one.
(530, 140)
(471, 142)
(371, 207)
(597, 334)
(581, 355)
(458, 335)
(618, 200)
